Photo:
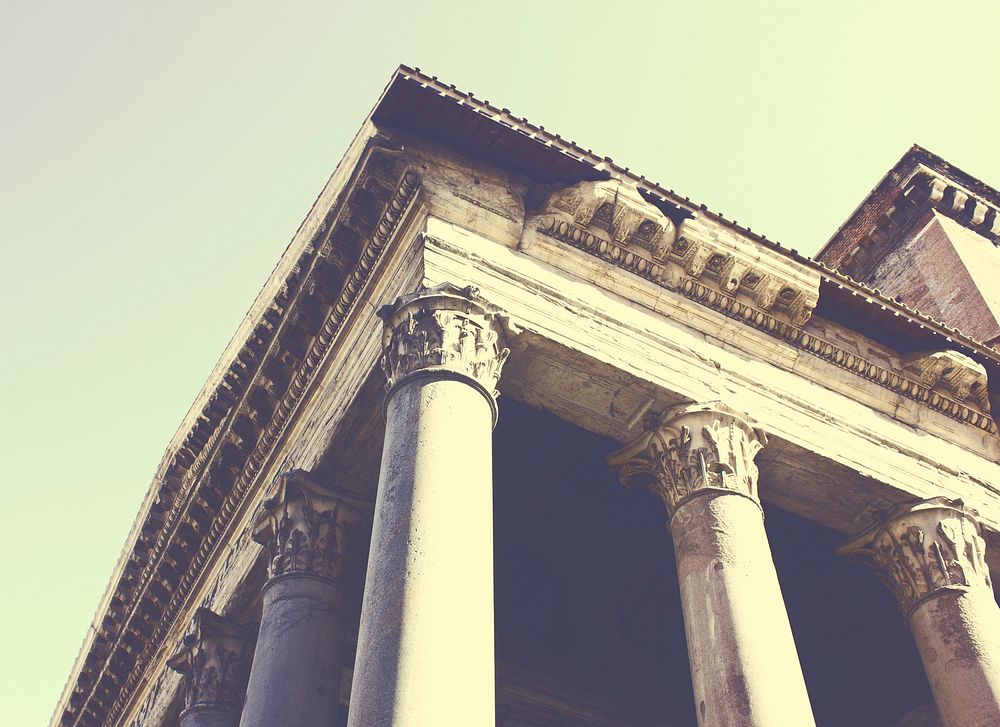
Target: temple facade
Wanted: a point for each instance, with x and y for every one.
(514, 436)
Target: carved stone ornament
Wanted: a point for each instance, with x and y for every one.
(693, 450)
(445, 330)
(953, 374)
(215, 661)
(612, 220)
(311, 528)
(618, 210)
(924, 548)
(609, 220)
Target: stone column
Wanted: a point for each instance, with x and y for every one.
(931, 556)
(425, 647)
(311, 531)
(744, 665)
(214, 660)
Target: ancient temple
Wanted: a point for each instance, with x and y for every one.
(513, 435)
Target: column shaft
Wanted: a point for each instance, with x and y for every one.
(958, 635)
(210, 716)
(931, 556)
(744, 666)
(295, 678)
(311, 531)
(425, 649)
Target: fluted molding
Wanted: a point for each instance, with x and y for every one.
(445, 331)
(690, 451)
(311, 528)
(215, 662)
(923, 549)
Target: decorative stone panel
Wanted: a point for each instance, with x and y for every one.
(613, 221)
(953, 374)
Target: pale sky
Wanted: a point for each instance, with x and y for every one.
(156, 158)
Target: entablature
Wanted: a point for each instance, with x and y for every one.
(632, 230)
(603, 347)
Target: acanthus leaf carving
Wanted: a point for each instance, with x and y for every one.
(311, 528)
(214, 659)
(922, 549)
(447, 330)
(692, 450)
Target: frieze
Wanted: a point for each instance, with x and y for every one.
(311, 528)
(923, 549)
(210, 474)
(214, 659)
(445, 329)
(692, 450)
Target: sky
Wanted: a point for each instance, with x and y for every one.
(156, 159)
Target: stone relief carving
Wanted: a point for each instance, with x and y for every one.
(754, 285)
(445, 329)
(924, 548)
(952, 374)
(313, 528)
(215, 662)
(619, 210)
(611, 220)
(693, 449)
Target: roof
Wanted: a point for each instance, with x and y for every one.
(884, 196)
(425, 106)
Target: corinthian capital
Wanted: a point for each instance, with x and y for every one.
(445, 330)
(310, 528)
(924, 548)
(692, 450)
(215, 661)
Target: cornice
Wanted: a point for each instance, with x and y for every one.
(937, 396)
(763, 294)
(569, 155)
(211, 473)
(611, 220)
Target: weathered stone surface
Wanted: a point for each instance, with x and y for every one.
(294, 681)
(744, 666)
(618, 328)
(425, 648)
(312, 532)
(215, 662)
(931, 556)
